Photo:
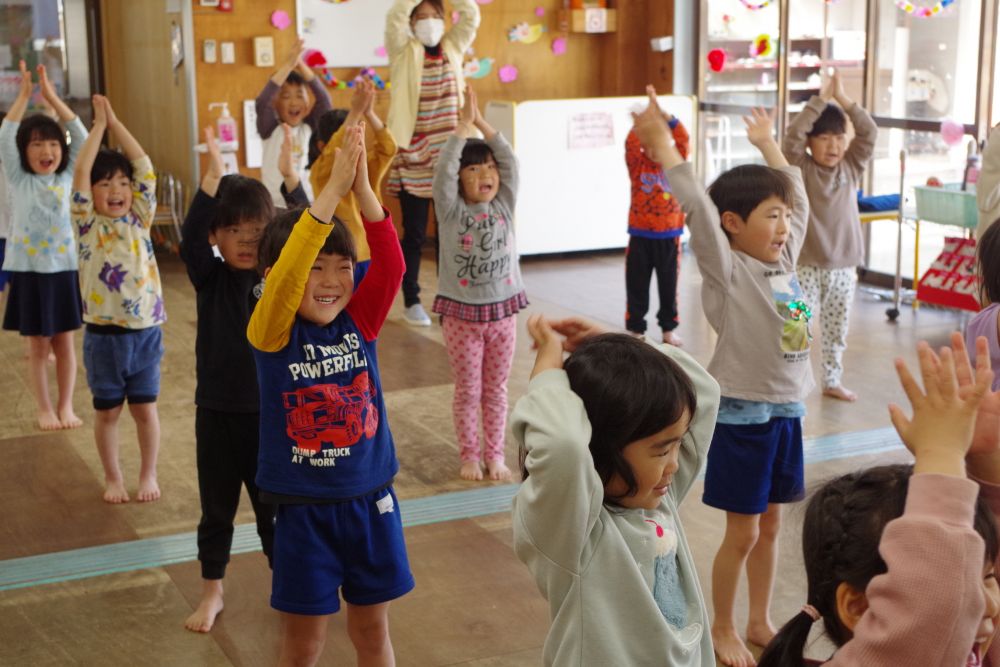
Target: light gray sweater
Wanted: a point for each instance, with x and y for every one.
(603, 569)
(834, 239)
(762, 353)
(478, 259)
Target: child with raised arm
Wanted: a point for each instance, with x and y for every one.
(44, 301)
(816, 142)
(894, 555)
(327, 457)
(655, 225)
(746, 233)
(480, 290)
(285, 99)
(113, 204)
(230, 213)
(611, 440)
(380, 154)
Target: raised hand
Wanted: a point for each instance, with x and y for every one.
(576, 330)
(361, 184)
(216, 168)
(760, 126)
(113, 121)
(547, 343)
(986, 434)
(26, 86)
(100, 110)
(46, 87)
(295, 53)
(940, 432)
(345, 164)
(360, 98)
(467, 116)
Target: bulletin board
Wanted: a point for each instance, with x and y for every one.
(350, 33)
(574, 189)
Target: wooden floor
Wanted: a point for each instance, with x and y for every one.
(474, 604)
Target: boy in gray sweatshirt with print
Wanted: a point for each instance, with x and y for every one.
(746, 234)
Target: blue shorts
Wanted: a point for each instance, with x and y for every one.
(751, 465)
(356, 546)
(123, 365)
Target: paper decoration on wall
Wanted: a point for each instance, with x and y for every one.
(381, 52)
(280, 19)
(478, 68)
(761, 46)
(716, 60)
(952, 132)
(539, 11)
(335, 2)
(754, 6)
(524, 33)
(484, 2)
(924, 12)
(308, 25)
(370, 73)
(508, 74)
(314, 58)
(559, 46)
(366, 73)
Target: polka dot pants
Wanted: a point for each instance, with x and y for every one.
(830, 293)
(481, 354)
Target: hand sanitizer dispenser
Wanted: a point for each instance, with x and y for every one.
(225, 128)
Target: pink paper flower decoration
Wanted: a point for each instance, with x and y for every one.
(280, 19)
(381, 52)
(508, 74)
(539, 11)
(559, 46)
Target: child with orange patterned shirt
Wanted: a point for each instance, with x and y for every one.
(655, 224)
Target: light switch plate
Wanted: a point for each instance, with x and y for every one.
(228, 53)
(263, 51)
(209, 51)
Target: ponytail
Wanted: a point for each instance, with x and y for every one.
(787, 647)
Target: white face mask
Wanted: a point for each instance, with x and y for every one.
(429, 31)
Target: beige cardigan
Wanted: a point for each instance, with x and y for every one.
(406, 60)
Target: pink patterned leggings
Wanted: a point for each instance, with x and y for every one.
(481, 354)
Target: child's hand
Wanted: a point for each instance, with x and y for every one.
(216, 168)
(370, 109)
(295, 53)
(576, 330)
(360, 98)
(345, 164)
(940, 432)
(837, 85)
(986, 434)
(469, 112)
(100, 110)
(760, 126)
(285, 166)
(361, 183)
(112, 117)
(48, 90)
(546, 341)
(650, 128)
(26, 85)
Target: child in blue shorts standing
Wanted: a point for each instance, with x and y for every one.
(746, 233)
(327, 458)
(112, 208)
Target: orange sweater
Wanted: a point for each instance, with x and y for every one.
(654, 212)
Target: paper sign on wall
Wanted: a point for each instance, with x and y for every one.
(595, 20)
(591, 130)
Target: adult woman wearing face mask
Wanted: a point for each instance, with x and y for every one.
(425, 67)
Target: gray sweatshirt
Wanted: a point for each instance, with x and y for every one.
(834, 239)
(478, 259)
(762, 351)
(612, 576)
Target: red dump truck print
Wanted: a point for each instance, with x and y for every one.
(331, 413)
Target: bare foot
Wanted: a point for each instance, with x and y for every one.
(115, 493)
(149, 490)
(472, 471)
(498, 470)
(68, 419)
(48, 421)
(760, 634)
(730, 649)
(842, 393)
(210, 606)
(671, 338)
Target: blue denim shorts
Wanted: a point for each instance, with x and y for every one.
(355, 546)
(123, 365)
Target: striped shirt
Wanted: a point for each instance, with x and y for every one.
(437, 117)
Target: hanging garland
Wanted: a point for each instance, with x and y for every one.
(754, 6)
(924, 12)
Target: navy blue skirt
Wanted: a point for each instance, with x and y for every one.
(43, 304)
